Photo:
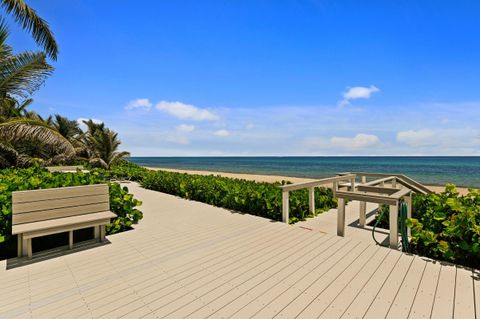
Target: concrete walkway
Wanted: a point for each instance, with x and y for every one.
(191, 260)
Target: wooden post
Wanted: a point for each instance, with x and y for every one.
(341, 217)
(393, 219)
(394, 183)
(382, 184)
(285, 206)
(311, 200)
(363, 214)
(19, 245)
(408, 200)
(352, 184)
(70, 239)
(335, 188)
(363, 208)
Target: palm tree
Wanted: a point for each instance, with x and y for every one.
(30, 21)
(67, 128)
(20, 74)
(23, 135)
(11, 108)
(23, 140)
(103, 145)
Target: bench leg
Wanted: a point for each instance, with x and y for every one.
(19, 245)
(27, 247)
(24, 246)
(96, 232)
(70, 239)
(102, 232)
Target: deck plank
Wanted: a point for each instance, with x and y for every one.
(464, 295)
(380, 306)
(189, 259)
(296, 306)
(445, 295)
(406, 294)
(423, 303)
(338, 306)
(326, 296)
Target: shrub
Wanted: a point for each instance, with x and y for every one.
(262, 199)
(121, 203)
(447, 226)
(123, 170)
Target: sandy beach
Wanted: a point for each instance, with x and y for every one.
(274, 178)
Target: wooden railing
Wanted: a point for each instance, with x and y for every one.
(383, 190)
(400, 178)
(286, 189)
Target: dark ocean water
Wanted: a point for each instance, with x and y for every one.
(437, 170)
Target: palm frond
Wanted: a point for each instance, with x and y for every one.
(23, 74)
(30, 21)
(24, 130)
(98, 162)
(8, 155)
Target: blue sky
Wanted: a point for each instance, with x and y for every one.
(269, 77)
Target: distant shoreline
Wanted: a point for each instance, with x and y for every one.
(274, 178)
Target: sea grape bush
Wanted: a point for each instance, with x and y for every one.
(15, 179)
(126, 170)
(262, 199)
(124, 205)
(447, 226)
(444, 226)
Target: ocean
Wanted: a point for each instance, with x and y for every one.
(434, 170)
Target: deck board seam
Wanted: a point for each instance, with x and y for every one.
(332, 281)
(199, 297)
(272, 275)
(383, 284)
(353, 299)
(321, 275)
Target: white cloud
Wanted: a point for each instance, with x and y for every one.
(359, 141)
(186, 111)
(221, 133)
(83, 126)
(185, 128)
(357, 92)
(417, 138)
(142, 104)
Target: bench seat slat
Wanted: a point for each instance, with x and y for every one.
(27, 207)
(66, 222)
(81, 210)
(57, 193)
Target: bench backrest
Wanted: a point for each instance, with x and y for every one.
(63, 168)
(53, 203)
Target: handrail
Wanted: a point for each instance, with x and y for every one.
(318, 182)
(402, 192)
(286, 189)
(418, 187)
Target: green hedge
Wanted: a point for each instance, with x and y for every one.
(121, 202)
(446, 226)
(262, 199)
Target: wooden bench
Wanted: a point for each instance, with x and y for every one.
(49, 211)
(65, 169)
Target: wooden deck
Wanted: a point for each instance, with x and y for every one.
(191, 260)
